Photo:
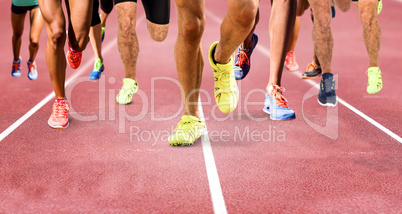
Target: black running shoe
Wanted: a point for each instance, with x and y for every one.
(313, 71)
(327, 96)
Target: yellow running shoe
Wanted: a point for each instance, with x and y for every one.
(374, 80)
(187, 131)
(226, 91)
(130, 87)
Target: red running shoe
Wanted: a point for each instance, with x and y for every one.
(59, 117)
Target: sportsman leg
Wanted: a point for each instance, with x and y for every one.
(17, 23)
(36, 21)
(189, 65)
(283, 13)
(95, 35)
(371, 37)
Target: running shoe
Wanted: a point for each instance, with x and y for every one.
(226, 91)
(130, 87)
(243, 59)
(59, 117)
(374, 80)
(15, 70)
(32, 72)
(97, 70)
(73, 58)
(326, 95)
(187, 131)
(276, 104)
(313, 71)
(290, 62)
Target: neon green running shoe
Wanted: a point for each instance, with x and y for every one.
(130, 87)
(226, 91)
(379, 8)
(374, 80)
(187, 131)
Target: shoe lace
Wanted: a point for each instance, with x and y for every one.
(15, 67)
(276, 94)
(242, 58)
(75, 56)
(60, 110)
(328, 85)
(98, 65)
(291, 58)
(31, 68)
(188, 125)
(311, 66)
(374, 77)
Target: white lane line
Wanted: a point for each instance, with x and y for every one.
(51, 95)
(218, 202)
(265, 51)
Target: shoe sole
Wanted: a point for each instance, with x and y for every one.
(311, 78)
(328, 104)
(284, 118)
(59, 127)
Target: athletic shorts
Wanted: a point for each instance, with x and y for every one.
(95, 15)
(22, 9)
(157, 11)
(106, 6)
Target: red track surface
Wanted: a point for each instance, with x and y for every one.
(120, 160)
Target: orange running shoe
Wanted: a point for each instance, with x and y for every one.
(74, 58)
(59, 117)
(290, 62)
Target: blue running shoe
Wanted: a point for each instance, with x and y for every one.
(15, 70)
(275, 105)
(32, 72)
(98, 69)
(242, 59)
(327, 96)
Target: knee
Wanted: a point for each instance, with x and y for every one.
(243, 13)
(192, 28)
(158, 32)
(57, 36)
(33, 42)
(368, 19)
(17, 34)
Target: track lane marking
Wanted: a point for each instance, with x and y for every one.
(51, 95)
(218, 202)
(265, 51)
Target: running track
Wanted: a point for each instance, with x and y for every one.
(116, 159)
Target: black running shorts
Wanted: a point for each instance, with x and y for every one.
(106, 6)
(95, 14)
(22, 9)
(157, 11)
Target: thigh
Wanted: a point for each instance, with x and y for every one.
(95, 20)
(17, 22)
(80, 15)
(157, 11)
(36, 21)
(52, 12)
